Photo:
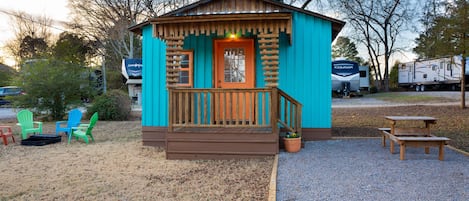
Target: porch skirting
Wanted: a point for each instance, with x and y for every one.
(313, 134)
(156, 136)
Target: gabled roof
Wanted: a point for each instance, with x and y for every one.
(209, 7)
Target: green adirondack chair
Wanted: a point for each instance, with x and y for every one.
(84, 130)
(26, 122)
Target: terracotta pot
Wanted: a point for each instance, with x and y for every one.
(292, 145)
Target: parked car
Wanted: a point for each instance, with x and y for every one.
(9, 91)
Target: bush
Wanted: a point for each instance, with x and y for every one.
(51, 86)
(114, 105)
(373, 89)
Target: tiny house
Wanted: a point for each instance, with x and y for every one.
(225, 78)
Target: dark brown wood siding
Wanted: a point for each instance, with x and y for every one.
(220, 143)
(310, 134)
(154, 136)
(230, 6)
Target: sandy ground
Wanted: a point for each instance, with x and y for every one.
(118, 167)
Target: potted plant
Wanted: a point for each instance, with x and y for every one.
(292, 142)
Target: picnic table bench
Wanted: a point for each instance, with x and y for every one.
(414, 141)
(414, 137)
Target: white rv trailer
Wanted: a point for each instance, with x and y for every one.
(345, 77)
(364, 78)
(435, 73)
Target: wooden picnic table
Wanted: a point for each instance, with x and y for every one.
(412, 136)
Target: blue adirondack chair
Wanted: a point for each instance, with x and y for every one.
(26, 122)
(74, 118)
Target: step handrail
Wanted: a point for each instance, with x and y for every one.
(289, 113)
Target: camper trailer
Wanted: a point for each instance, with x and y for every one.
(432, 73)
(345, 77)
(364, 78)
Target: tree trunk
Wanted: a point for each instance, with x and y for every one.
(463, 81)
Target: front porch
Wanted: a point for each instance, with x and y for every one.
(228, 123)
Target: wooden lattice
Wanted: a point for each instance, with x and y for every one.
(173, 59)
(269, 48)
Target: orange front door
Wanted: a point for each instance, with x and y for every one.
(234, 68)
(234, 63)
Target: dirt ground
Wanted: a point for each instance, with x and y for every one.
(118, 167)
(453, 122)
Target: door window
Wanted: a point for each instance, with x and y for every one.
(235, 65)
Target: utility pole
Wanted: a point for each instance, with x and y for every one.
(104, 74)
(463, 62)
(463, 80)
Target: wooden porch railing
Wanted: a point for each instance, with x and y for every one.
(243, 108)
(289, 115)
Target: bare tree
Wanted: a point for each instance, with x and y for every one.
(106, 22)
(27, 29)
(378, 25)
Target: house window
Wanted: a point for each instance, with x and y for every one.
(186, 70)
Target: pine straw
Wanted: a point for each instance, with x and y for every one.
(118, 167)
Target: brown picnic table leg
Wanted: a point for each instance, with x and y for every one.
(391, 146)
(383, 141)
(441, 153)
(427, 150)
(402, 151)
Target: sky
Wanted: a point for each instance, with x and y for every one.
(55, 9)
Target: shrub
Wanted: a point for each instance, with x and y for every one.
(114, 105)
(373, 89)
(51, 86)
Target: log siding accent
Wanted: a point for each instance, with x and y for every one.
(174, 45)
(268, 45)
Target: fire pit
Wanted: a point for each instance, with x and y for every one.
(41, 140)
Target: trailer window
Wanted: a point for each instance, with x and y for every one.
(433, 67)
(448, 67)
(425, 76)
(362, 73)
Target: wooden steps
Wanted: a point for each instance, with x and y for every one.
(221, 143)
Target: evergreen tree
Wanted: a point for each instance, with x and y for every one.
(345, 48)
(447, 33)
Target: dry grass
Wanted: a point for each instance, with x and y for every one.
(453, 122)
(118, 167)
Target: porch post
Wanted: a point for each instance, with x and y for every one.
(274, 109)
(170, 111)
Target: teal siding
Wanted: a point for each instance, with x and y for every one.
(305, 68)
(154, 92)
(203, 47)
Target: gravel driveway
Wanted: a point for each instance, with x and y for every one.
(367, 101)
(364, 170)
(7, 113)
